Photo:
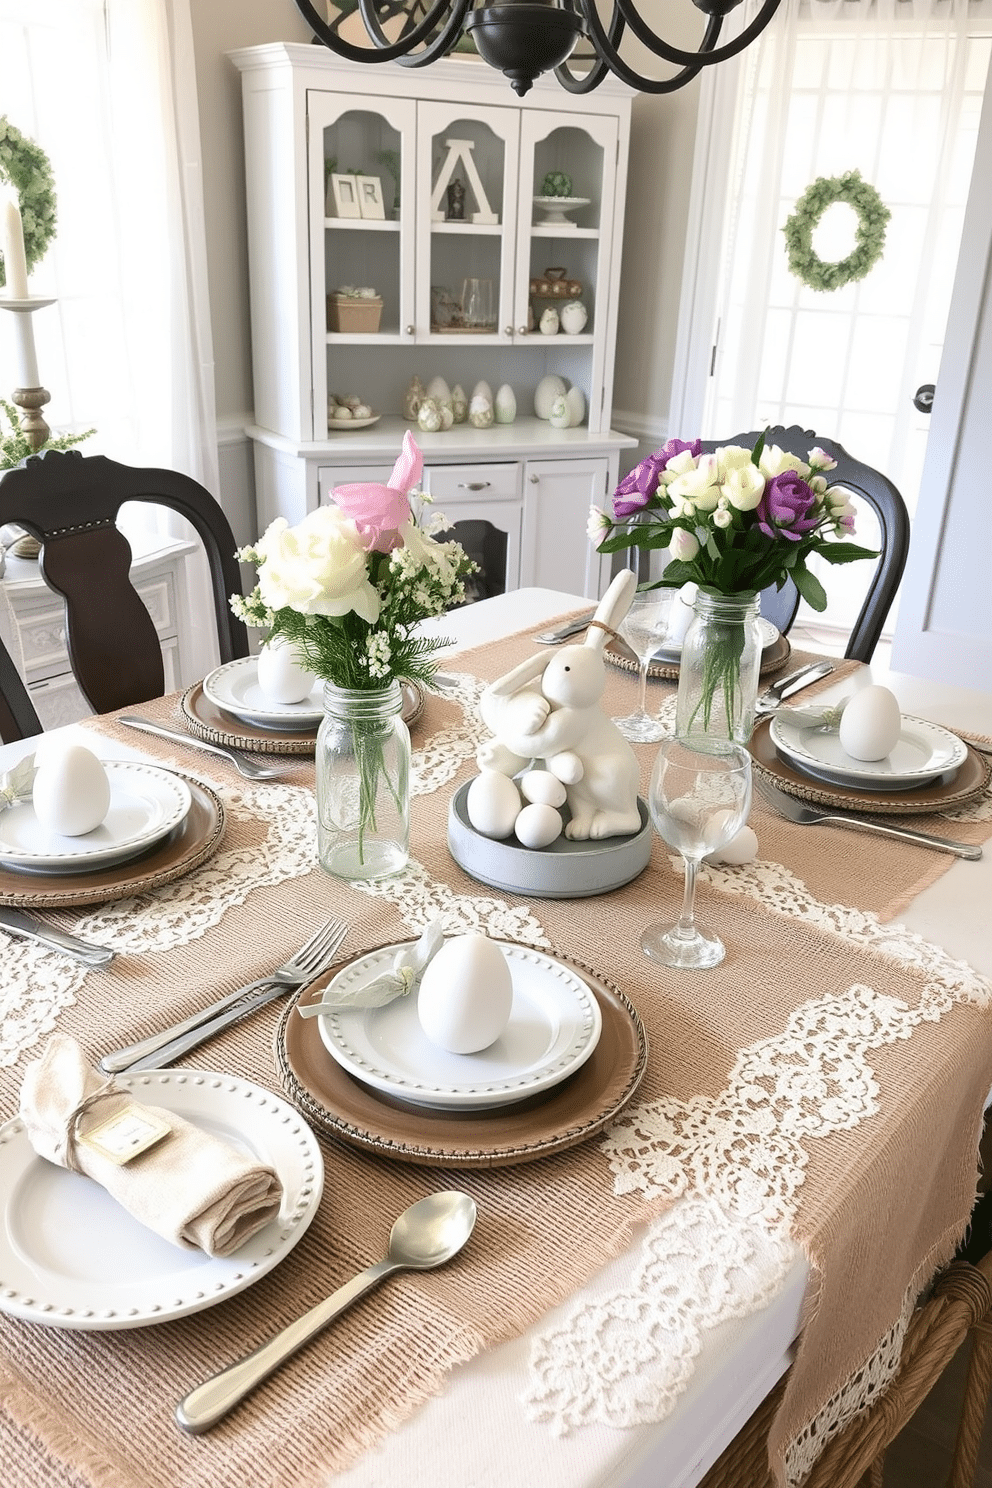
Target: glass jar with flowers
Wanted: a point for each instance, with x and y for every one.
(735, 521)
(346, 588)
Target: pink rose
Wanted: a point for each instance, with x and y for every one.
(380, 511)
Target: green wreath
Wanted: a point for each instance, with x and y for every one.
(869, 239)
(26, 166)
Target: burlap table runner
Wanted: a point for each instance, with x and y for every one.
(881, 1204)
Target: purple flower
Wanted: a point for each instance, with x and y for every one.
(787, 507)
(636, 489)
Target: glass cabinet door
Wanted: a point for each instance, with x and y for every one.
(361, 172)
(467, 214)
(565, 234)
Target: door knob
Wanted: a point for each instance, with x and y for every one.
(923, 397)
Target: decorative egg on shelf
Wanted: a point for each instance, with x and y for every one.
(505, 406)
(447, 415)
(548, 325)
(412, 399)
(559, 417)
(548, 389)
(480, 412)
(429, 417)
(482, 390)
(459, 403)
(573, 316)
(493, 804)
(438, 389)
(575, 402)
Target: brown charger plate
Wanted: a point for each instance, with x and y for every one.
(195, 840)
(572, 1112)
(970, 780)
(206, 721)
(773, 659)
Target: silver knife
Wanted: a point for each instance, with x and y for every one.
(554, 637)
(57, 940)
(203, 1031)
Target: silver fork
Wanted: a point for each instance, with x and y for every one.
(311, 959)
(249, 768)
(808, 816)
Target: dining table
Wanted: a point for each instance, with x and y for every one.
(783, 1157)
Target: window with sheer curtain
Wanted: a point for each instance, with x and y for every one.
(106, 88)
(892, 88)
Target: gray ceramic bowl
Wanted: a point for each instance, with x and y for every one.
(565, 870)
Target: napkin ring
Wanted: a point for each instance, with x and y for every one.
(68, 1154)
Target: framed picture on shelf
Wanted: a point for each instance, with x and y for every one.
(344, 194)
(370, 197)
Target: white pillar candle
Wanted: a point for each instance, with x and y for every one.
(14, 260)
(27, 361)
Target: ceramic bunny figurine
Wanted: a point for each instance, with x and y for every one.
(562, 723)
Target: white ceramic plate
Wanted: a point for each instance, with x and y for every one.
(555, 1023)
(923, 753)
(234, 687)
(71, 1257)
(768, 632)
(344, 426)
(146, 803)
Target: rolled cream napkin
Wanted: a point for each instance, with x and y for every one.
(190, 1187)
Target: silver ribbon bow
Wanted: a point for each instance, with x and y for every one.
(409, 965)
(17, 783)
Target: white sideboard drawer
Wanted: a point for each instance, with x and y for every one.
(329, 476)
(474, 483)
(159, 596)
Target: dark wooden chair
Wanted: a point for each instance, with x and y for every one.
(780, 606)
(69, 502)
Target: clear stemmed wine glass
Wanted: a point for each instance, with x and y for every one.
(643, 627)
(699, 798)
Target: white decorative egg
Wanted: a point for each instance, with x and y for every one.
(341, 415)
(548, 324)
(538, 825)
(429, 416)
(459, 403)
(71, 792)
(870, 724)
(575, 402)
(466, 995)
(281, 677)
(548, 389)
(492, 803)
(480, 412)
(447, 415)
(542, 786)
(558, 418)
(438, 389)
(363, 411)
(482, 390)
(742, 848)
(573, 316)
(505, 406)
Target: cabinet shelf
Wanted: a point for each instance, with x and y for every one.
(362, 224)
(469, 229)
(566, 234)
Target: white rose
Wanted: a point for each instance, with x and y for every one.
(677, 465)
(316, 567)
(683, 545)
(597, 524)
(743, 486)
(701, 486)
(820, 460)
(732, 457)
(775, 460)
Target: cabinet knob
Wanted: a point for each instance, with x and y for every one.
(409, 330)
(474, 485)
(533, 479)
(507, 330)
(522, 330)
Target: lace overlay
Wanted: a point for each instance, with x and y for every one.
(738, 1163)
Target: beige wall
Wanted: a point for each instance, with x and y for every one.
(661, 156)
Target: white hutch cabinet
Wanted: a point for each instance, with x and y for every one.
(524, 487)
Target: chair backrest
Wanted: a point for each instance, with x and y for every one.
(780, 606)
(69, 502)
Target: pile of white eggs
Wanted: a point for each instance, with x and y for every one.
(345, 410)
(527, 806)
(561, 406)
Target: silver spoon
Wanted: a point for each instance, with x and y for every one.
(425, 1235)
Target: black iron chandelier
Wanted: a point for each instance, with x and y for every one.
(523, 38)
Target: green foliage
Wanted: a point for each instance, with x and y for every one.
(14, 446)
(872, 215)
(26, 167)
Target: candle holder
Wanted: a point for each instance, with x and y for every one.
(30, 399)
